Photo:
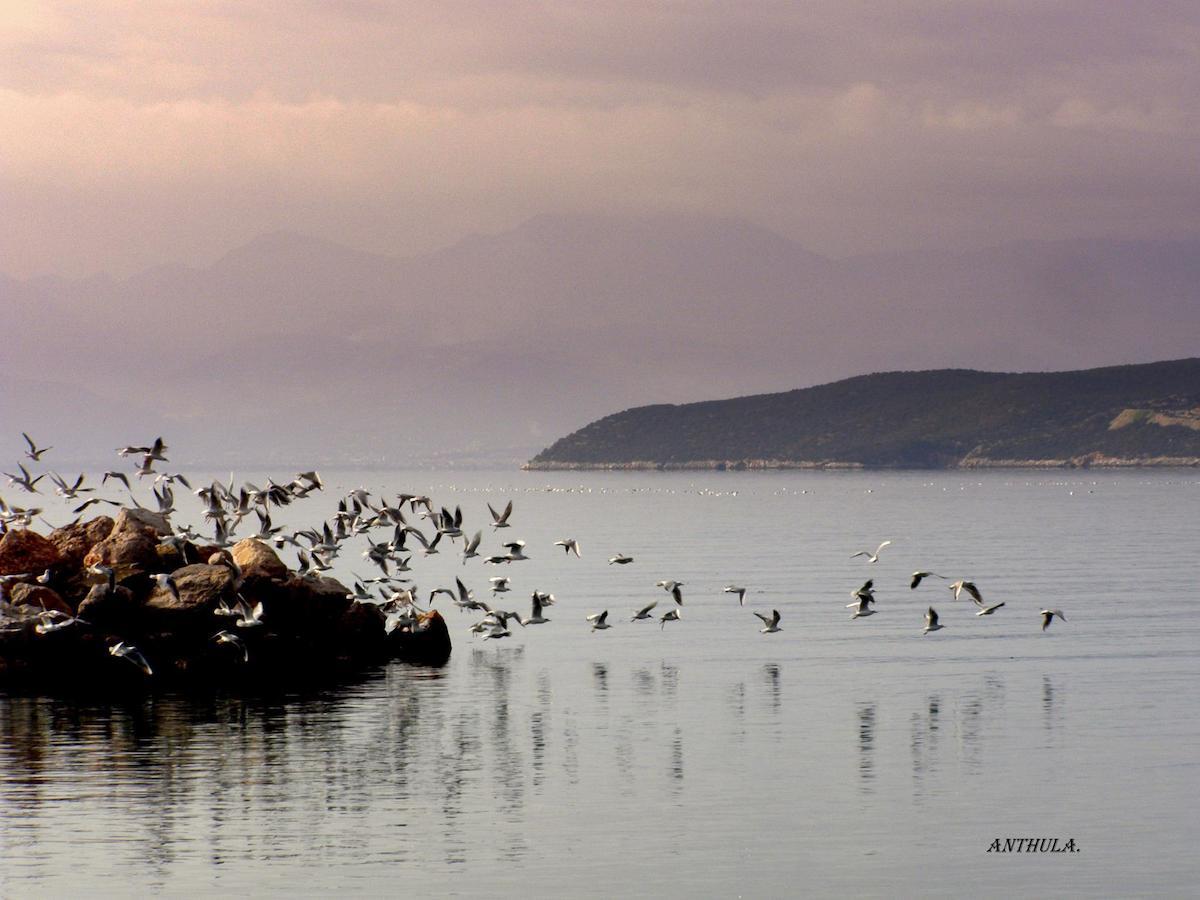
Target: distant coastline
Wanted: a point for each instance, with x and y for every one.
(1093, 461)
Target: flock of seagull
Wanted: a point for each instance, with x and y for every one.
(413, 525)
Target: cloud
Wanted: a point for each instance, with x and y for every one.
(156, 131)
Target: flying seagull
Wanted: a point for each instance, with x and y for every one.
(931, 621)
(988, 610)
(167, 583)
(864, 607)
(672, 588)
(620, 559)
(771, 624)
(740, 591)
(969, 586)
(500, 520)
(917, 576)
(871, 557)
(568, 545)
(225, 637)
(671, 615)
(34, 452)
(644, 612)
(131, 653)
(1048, 616)
(599, 621)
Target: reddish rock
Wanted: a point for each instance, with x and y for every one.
(74, 541)
(143, 518)
(22, 550)
(308, 605)
(257, 559)
(37, 596)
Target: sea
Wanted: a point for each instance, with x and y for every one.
(692, 758)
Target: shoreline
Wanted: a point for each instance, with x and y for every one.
(1089, 461)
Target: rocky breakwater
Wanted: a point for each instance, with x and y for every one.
(109, 602)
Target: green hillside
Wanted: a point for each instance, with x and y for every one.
(935, 419)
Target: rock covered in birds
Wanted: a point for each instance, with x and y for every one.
(22, 550)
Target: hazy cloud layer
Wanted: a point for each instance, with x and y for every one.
(138, 133)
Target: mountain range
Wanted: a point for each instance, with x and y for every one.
(293, 348)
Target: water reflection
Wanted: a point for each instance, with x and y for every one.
(1051, 705)
(866, 744)
(924, 742)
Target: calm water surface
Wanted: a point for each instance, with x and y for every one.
(703, 759)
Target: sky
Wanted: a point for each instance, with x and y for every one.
(142, 133)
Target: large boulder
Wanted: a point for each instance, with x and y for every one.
(108, 609)
(36, 596)
(74, 541)
(257, 560)
(427, 642)
(24, 551)
(308, 606)
(201, 589)
(132, 543)
(144, 517)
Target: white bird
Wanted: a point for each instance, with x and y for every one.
(1048, 616)
(988, 610)
(620, 559)
(516, 551)
(671, 615)
(931, 621)
(969, 586)
(644, 612)
(863, 607)
(471, 546)
(599, 621)
(740, 591)
(672, 588)
(24, 480)
(225, 637)
(103, 574)
(499, 584)
(568, 545)
(167, 583)
(500, 520)
(771, 623)
(248, 617)
(871, 557)
(123, 650)
(498, 631)
(535, 616)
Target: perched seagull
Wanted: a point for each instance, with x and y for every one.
(620, 559)
(34, 452)
(988, 610)
(772, 623)
(226, 637)
(931, 621)
(24, 480)
(969, 586)
(599, 621)
(918, 576)
(568, 545)
(500, 520)
(1048, 616)
(131, 653)
(864, 607)
(167, 583)
(871, 557)
(105, 574)
(671, 615)
(644, 612)
(740, 591)
(499, 584)
(672, 588)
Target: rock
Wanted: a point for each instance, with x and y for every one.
(36, 596)
(131, 543)
(144, 518)
(169, 558)
(308, 606)
(257, 559)
(201, 588)
(428, 642)
(22, 550)
(74, 541)
(105, 608)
